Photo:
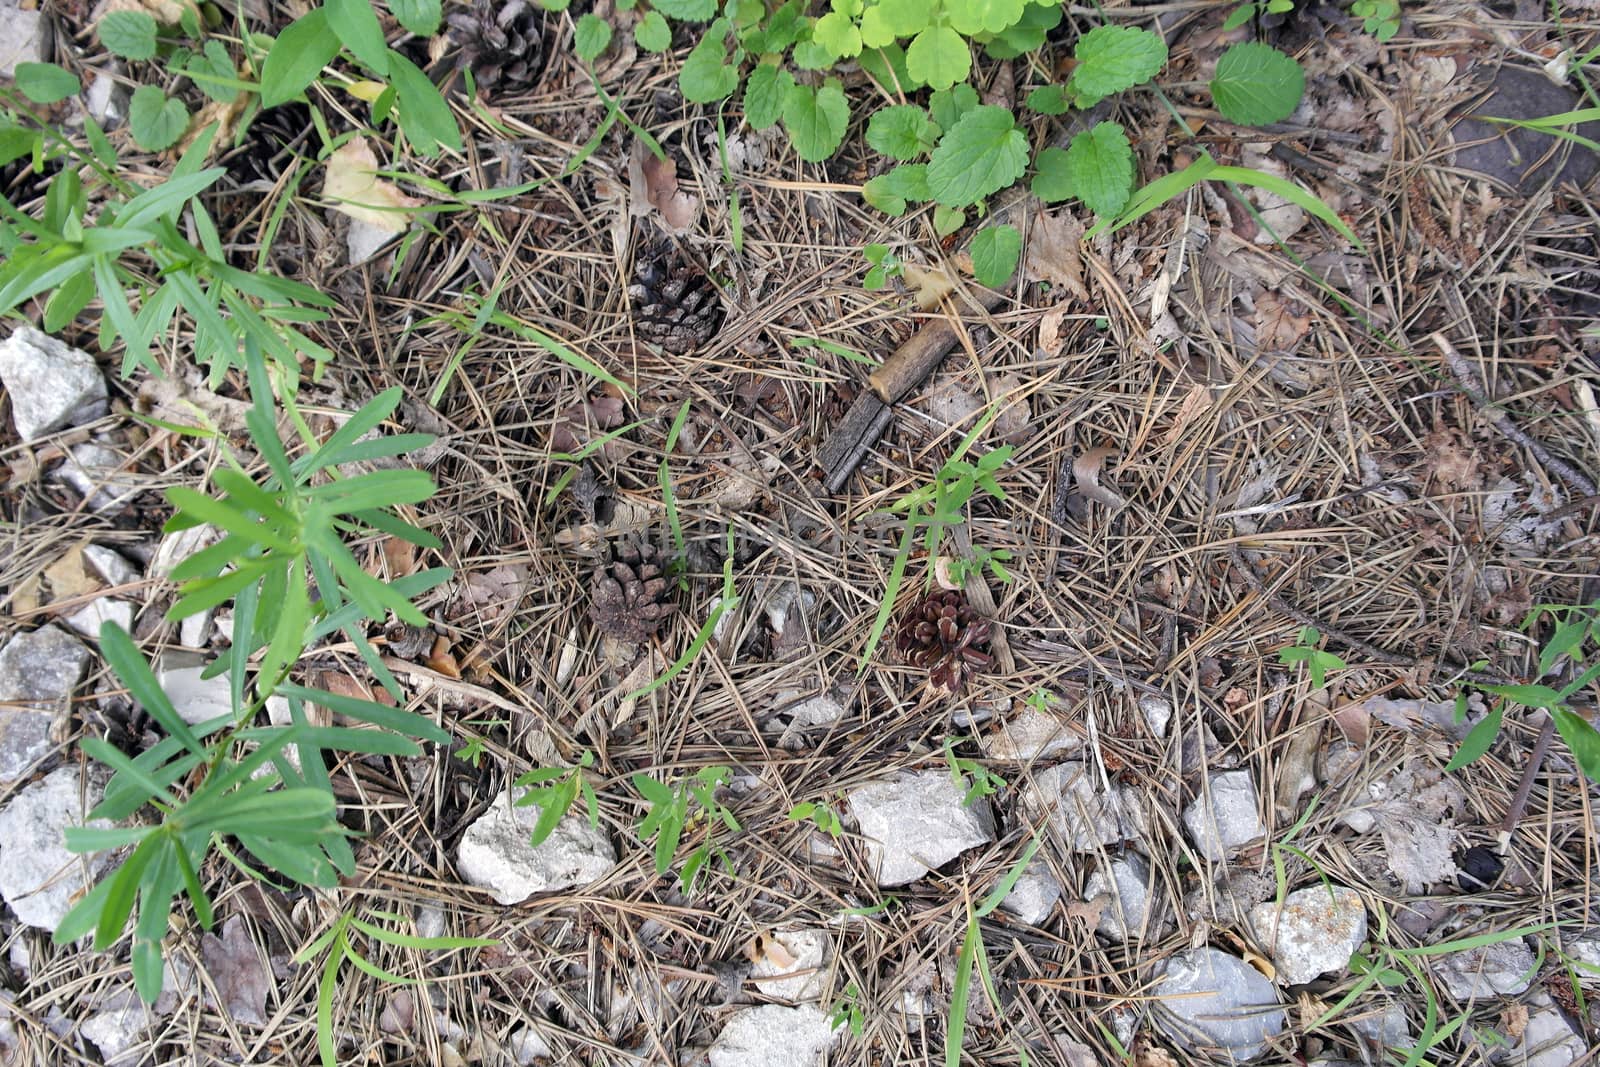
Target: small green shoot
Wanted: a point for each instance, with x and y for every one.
(473, 751)
(884, 265)
(969, 774)
(982, 558)
(553, 790)
(820, 814)
(1318, 661)
(679, 808)
(848, 1011)
(1381, 18)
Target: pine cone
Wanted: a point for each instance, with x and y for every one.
(944, 635)
(674, 303)
(632, 597)
(501, 43)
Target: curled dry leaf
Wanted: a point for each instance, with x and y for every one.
(442, 659)
(653, 184)
(764, 947)
(1086, 473)
(930, 284)
(1279, 324)
(1054, 254)
(1195, 402)
(237, 973)
(580, 423)
(353, 188)
(399, 557)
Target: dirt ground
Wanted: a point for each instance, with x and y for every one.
(1218, 439)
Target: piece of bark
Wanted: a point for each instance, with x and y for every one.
(909, 365)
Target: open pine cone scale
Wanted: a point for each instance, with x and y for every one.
(947, 638)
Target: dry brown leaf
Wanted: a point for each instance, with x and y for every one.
(930, 284)
(1050, 330)
(70, 577)
(1153, 1056)
(237, 973)
(653, 183)
(1055, 253)
(166, 12)
(1354, 721)
(1086, 472)
(1278, 326)
(399, 557)
(1452, 459)
(766, 947)
(1195, 402)
(339, 684)
(352, 187)
(441, 659)
(492, 594)
(224, 115)
(1514, 1020)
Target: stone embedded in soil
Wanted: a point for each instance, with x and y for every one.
(1084, 819)
(1508, 152)
(1313, 933)
(39, 878)
(110, 565)
(916, 822)
(1031, 735)
(98, 473)
(88, 619)
(773, 1036)
(38, 672)
(22, 37)
(366, 240)
(197, 699)
(1132, 909)
(178, 546)
(52, 385)
(1389, 1030)
(1226, 816)
(1035, 893)
(1505, 968)
(118, 1030)
(1157, 711)
(796, 967)
(1547, 1041)
(1211, 1003)
(495, 854)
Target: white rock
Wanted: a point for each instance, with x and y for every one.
(1505, 968)
(38, 672)
(1084, 818)
(916, 822)
(105, 100)
(197, 699)
(113, 567)
(1132, 909)
(527, 1046)
(801, 971)
(178, 546)
(52, 384)
(1548, 1041)
(773, 1036)
(495, 854)
(193, 629)
(1226, 816)
(1389, 1030)
(430, 921)
(88, 619)
(1034, 895)
(39, 878)
(1313, 933)
(22, 37)
(1157, 711)
(97, 472)
(366, 240)
(1031, 735)
(118, 1030)
(1211, 1003)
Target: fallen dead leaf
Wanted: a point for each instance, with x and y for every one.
(929, 284)
(1050, 330)
(765, 947)
(399, 557)
(1514, 1020)
(1194, 403)
(653, 184)
(1279, 327)
(442, 659)
(353, 188)
(186, 403)
(580, 423)
(493, 594)
(237, 973)
(166, 12)
(1054, 252)
(69, 576)
(1086, 473)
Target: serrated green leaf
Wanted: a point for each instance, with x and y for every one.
(155, 119)
(707, 76)
(764, 94)
(939, 57)
(1114, 58)
(981, 154)
(1028, 34)
(903, 131)
(1099, 167)
(297, 57)
(129, 34)
(420, 17)
(948, 105)
(816, 119)
(653, 34)
(590, 36)
(947, 220)
(686, 10)
(1048, 100)
(838, 34)
(973, 17)
(883, 23)
(1256, 84)
(46, 83)
(890, 192)
(1050, 181)
(995, 253)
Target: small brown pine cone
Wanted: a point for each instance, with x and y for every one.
(502, 42)
(948, 639)
(632, 597)
(674, 303)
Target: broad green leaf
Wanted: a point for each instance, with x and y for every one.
(356, 24)
(995, 252)
(939, 57)
(420, 17)
(1050, 181)
(1048, 100)
(887, 66)
(1478, 740)
(424, 115)
(707, 76)
(948, 105)
(983, 153)
(590, 36)
(297, 57)
(46, 83)
(1028, 34)
(686, 10)
(1532, 696)
(764, 94)
(1114, 58)
(129, 34)
(890, 192)
(1099, 166)
(816, 119)
(652, 33)
(973, 17)
(155, 119)
(1582, 739)
(903, 131)
(947, 220)
(882, 23)
(838, 34)
(1256, 84)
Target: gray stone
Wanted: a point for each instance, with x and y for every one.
(178, 546)
(1084, 819)
(1211, 1004)
(1508, 153)
(39, 878)
(1031, 735)
(197, 699)
(88, 619)
(97, 472)
(1505, 968)
(916, 822)
(38, 672)
(1157, 711)
(118, 1030)
(1313, 933)
(193, 629)
(526, 1045)
(1132, 909)
(52, 385)
(1226, 816)
(22, 37)
(799, 970)
(1389, 1030)
(1547, 1041)
(1034, 895)
(112, 566)
(773, 1036)
(366, 240)
(495, 854)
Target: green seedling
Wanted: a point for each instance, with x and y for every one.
(884, 265)
(474, 750)
(1245, 12)
(675, 810)
(994, 561)
(820, 814)
(553, 790)
(978, 781)
(1318, 661)
(973, 955)
(1381, 18)
(848, 1011)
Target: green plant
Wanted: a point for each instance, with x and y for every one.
(978, 780)
(982, 558)
(1575, 638)
(821, 815)
(337, 941)
(553, 790)
(680, 808)
(1318, 661)
(283, 561)
(473, 751)
(884, 265)
(973, 955)
(1245, 12)
(848, 1010)
(1381, 18)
